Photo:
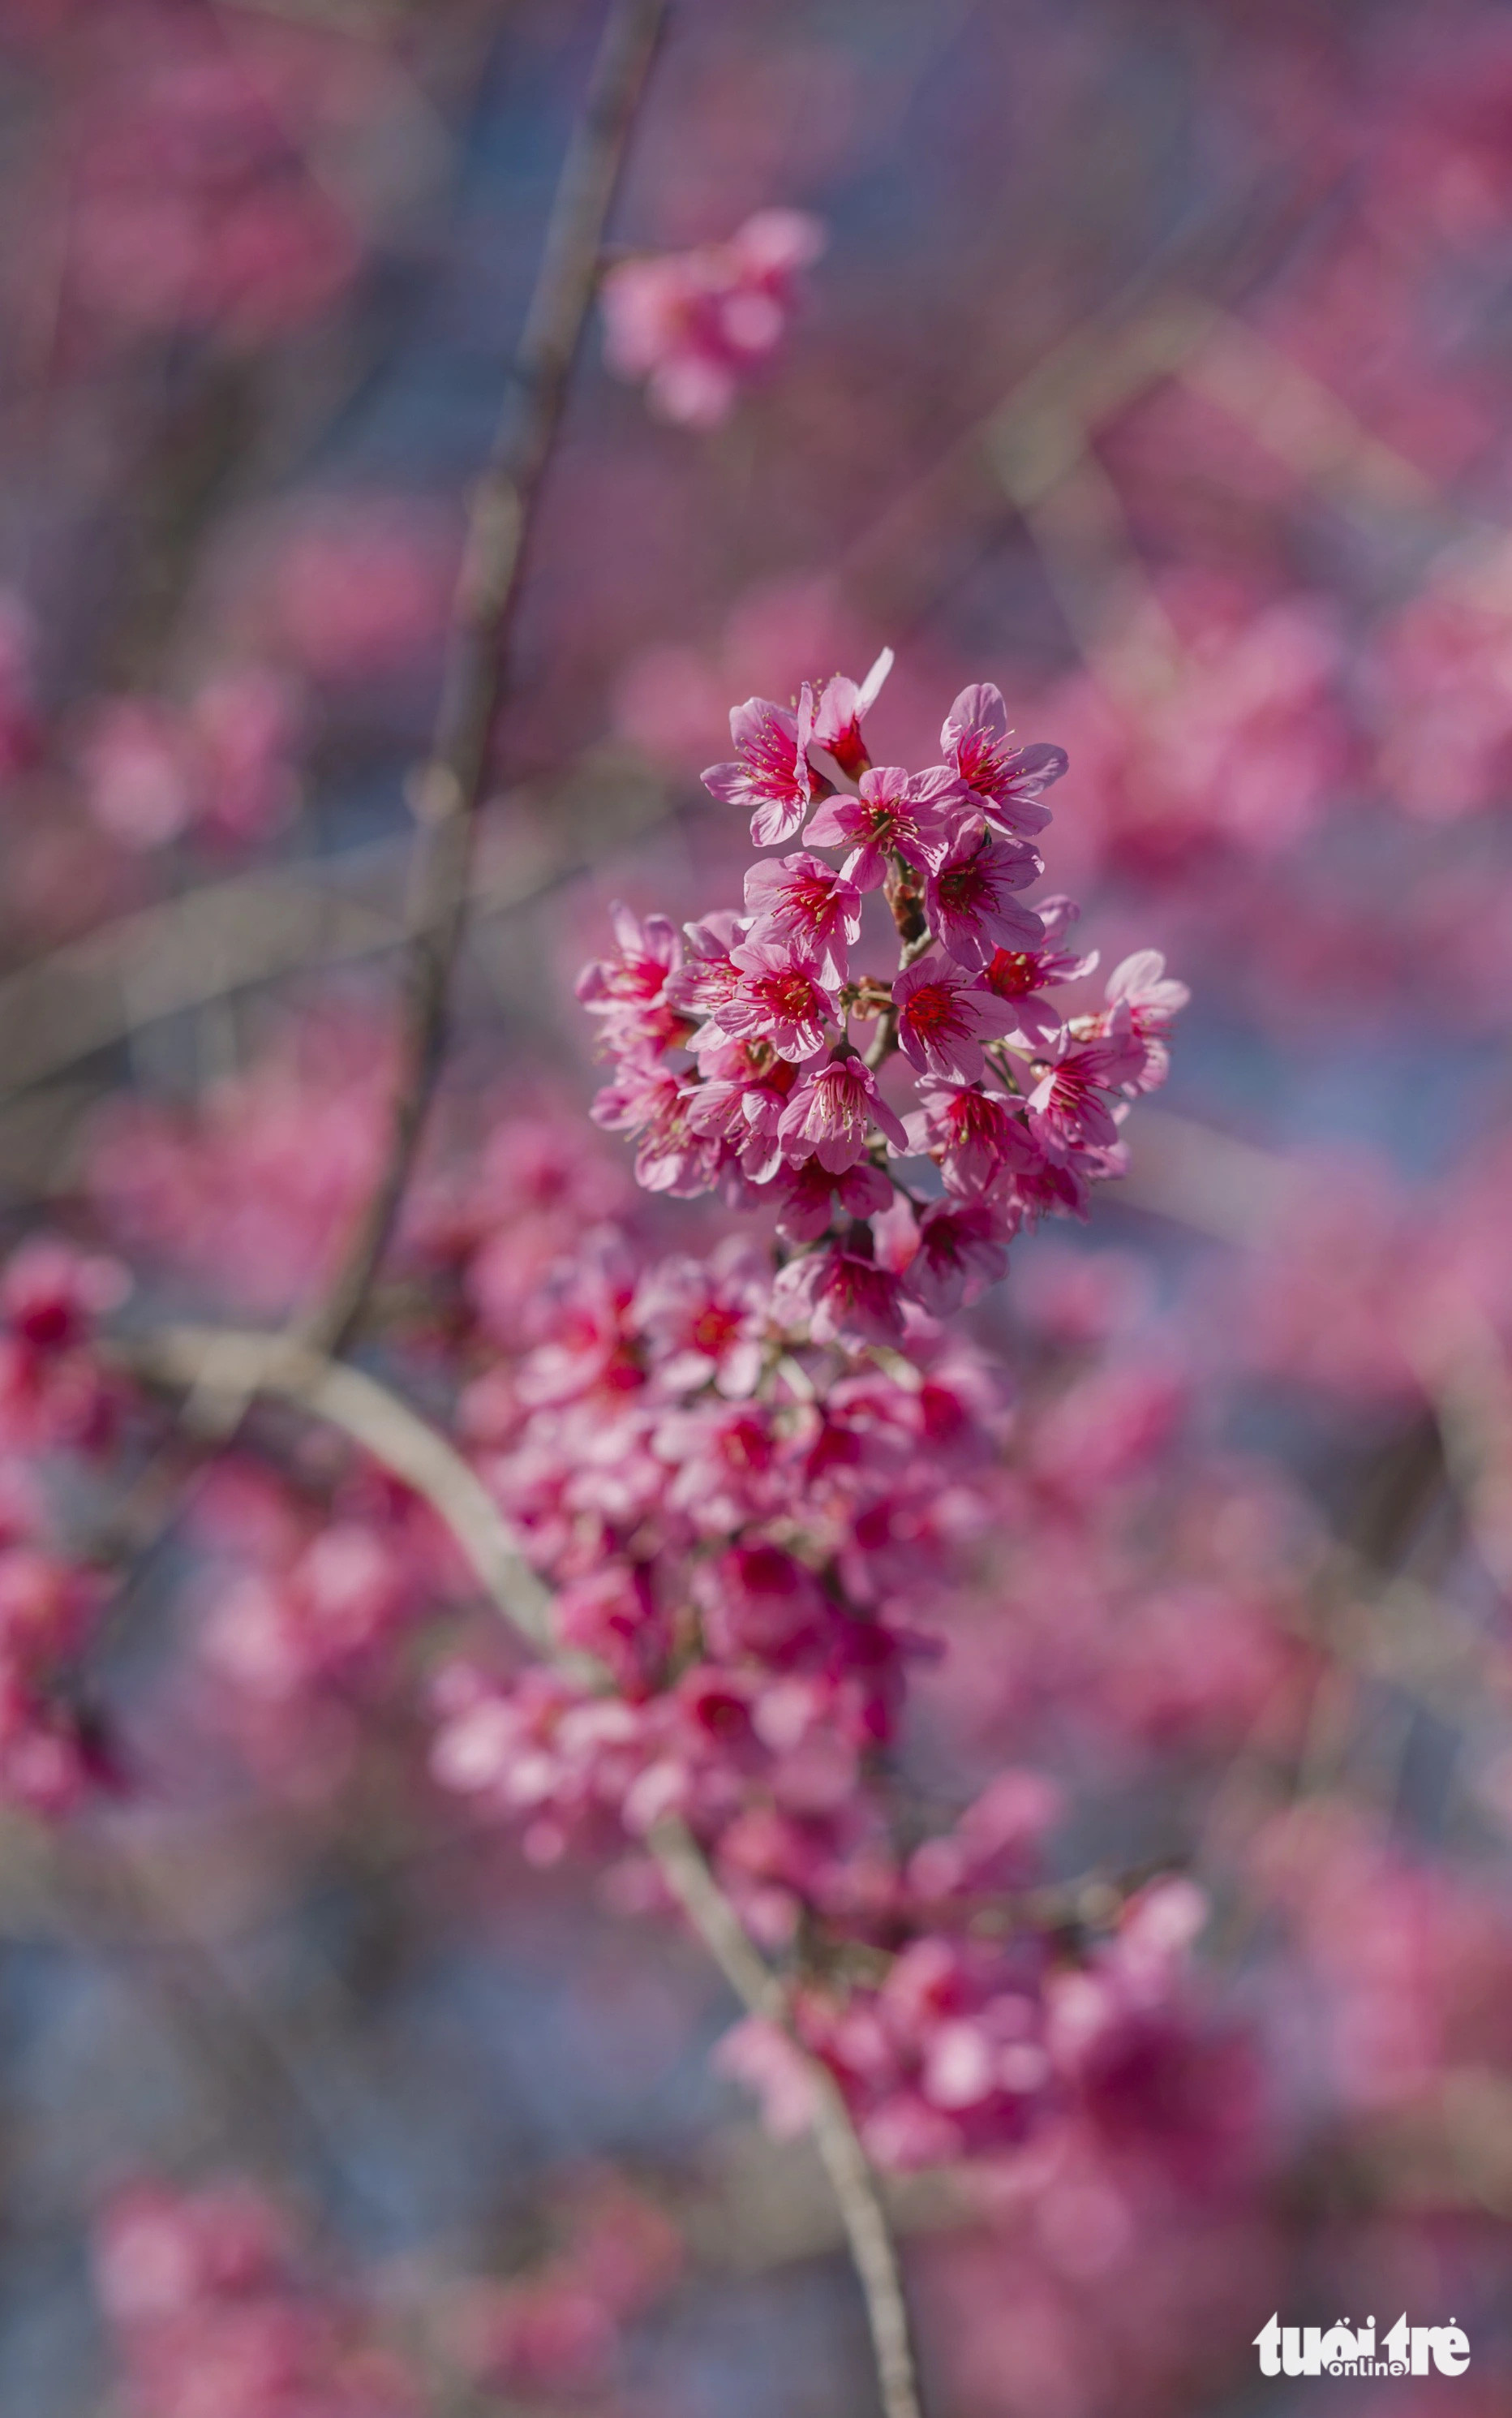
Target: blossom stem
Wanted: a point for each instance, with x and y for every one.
(858, 2195)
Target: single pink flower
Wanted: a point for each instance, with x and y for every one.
(839, 1296)
(1022, 977)
(963, 1249)
(842, 708)
(700, 986)
(944, 1015)
(974, 1134)
(741, 1102)
(705, 1320)
(781, 999)
(914, 816)
(1153, 997)
(831, 1113)
(969, 897)
(1067, 1108)
(809, 1193)
(649, 1100)
(1008, 782)
(630, 989)
(772, 774)
(804, 902)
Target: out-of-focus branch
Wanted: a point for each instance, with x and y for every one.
(450, 789)
(1463, 1367)
(235, 1365)
(1301, 421)
(873, 2250)
(214, 1361)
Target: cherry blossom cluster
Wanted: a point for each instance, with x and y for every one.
(961, 2045)
(753, 1534)
(212, 2305)
(742, 1528)
(216, 2298)
(737, 1066)
(696, 326)
(57, 1401)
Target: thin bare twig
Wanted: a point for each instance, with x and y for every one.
(450, 789)
(873, 2251)
(235, 1365)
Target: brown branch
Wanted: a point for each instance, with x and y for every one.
(857, 2196)
(233, 1366)
(450, 789)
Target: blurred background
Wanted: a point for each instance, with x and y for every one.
(1157, 366)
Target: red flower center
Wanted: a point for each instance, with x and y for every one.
(791, 996)
(933, 1010)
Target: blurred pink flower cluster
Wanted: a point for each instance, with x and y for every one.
(195, 203)
(55, 1400)
(695, 327)
(212, 2305)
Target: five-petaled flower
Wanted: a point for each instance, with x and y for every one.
(802, 901)
(780, 998)
(1008, 782)
(831, 1112)
(944, 1017)
(914, 816)
(771, 773)
(970, 901)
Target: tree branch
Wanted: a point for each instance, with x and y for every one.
(873, 2251)
(450, 789)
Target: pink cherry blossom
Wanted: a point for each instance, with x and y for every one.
(809, 1192)
(630, 991)
(843, 705)
(912, 816)
(1023, 976)
(831, 1114)
(836, 1292)
(804, 902)
(695, 325)
(962, 1249)
(771, 773)
(707, 1319)
(781, 998)
(651, 1102)
(944, 1015)
(1153, 997)
(740, 1099)
(1067, 1106)
(1008, 782)
(975, 1135)
(969, 901)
